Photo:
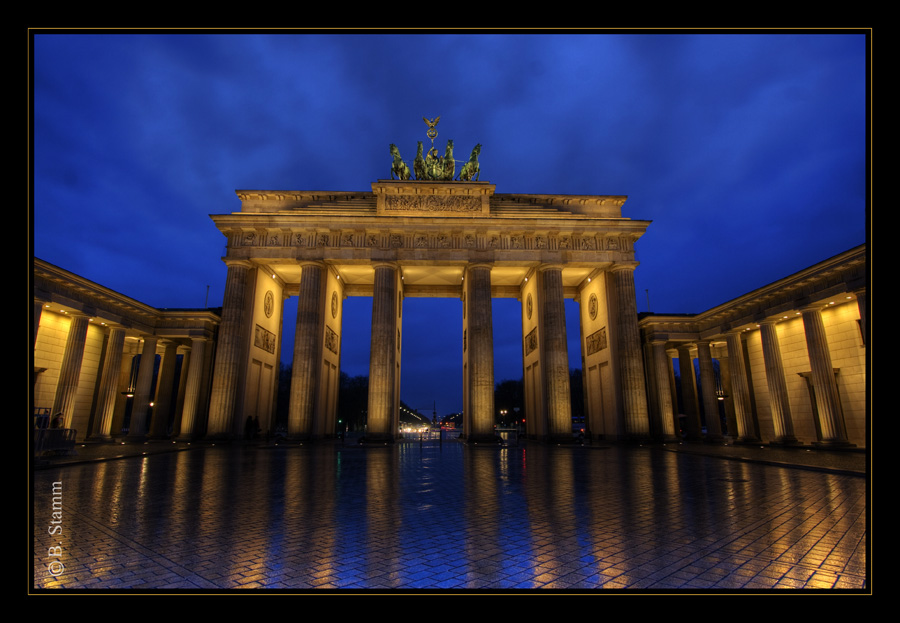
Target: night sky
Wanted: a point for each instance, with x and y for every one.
(747, 151)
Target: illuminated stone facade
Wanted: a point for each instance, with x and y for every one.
(430, 239)
(87, 339)
(784, 364)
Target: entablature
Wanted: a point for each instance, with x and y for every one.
(69, 293)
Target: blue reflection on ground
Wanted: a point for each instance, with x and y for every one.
(448, 516)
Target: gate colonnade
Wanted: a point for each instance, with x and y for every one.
(429, 239)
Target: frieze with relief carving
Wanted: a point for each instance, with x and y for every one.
(512, 242)
(264, 339)
(331, 340)
(531, 342)
(596, 341)
(432, 203)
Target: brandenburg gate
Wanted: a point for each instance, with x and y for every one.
(429, 237)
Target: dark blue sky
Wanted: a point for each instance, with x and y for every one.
(747, 151)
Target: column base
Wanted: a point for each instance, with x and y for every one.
(102, 439)
(833, 445)
(786, 442)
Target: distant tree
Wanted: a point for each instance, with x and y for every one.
(353, 401)
(509, 396)
(576, 390)
(283, 399)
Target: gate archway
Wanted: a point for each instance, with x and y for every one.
(425, 238)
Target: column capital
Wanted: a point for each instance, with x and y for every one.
(233, 262)
(549, 266)
(812, 307)
(619, 266)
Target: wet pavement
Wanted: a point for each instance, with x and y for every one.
(430, 516)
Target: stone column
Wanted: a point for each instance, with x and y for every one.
(70, 370)
(831, 421)
(159, 426)
(708, 382)
(480, 354)
(308, 344)
(689, 393)
(663, 391)
(555, 355)
(229, 349)
(37, 309)
(728, 398)
(631, 370)
(109, 383)
(740, 389)
(860, 302)
(671, 355)
(383, 360)
(192, 389)
(141, 404)
(778, 394)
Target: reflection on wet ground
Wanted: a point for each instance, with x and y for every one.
(446, 516)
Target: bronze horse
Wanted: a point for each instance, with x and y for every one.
(419, 164)
(471, 168)
(398, 167)
(449, 165)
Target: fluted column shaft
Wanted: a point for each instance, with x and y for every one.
(637, 420)
(192, 389)
(141, 405)
(109, 382)
(480, 366)
(228, 352)
(37, 309)
(740, 388)
(831, 421)
(383, 357)
(159, 426)
(70, 371)
(308, 344)
(778, 394)
(708, 382)
(663, 390)
(861, 304)
(689, 393)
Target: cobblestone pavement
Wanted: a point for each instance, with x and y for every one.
(419, 517)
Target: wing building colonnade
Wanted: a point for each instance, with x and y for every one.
(783, 364)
